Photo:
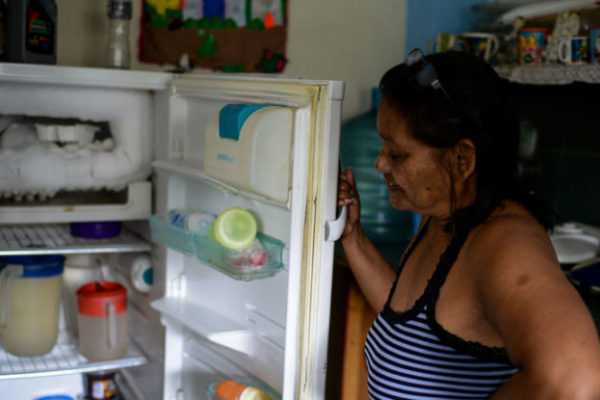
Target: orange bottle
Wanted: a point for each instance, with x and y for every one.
(232, 390)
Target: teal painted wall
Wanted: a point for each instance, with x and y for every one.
(426, 18)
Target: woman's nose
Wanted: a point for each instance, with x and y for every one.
(381, 163)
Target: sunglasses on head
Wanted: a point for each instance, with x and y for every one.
(424, 71)
(426, 76)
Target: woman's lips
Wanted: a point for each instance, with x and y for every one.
(392, 186)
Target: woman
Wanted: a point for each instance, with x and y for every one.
(479, 307)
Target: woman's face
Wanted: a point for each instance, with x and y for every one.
(414, 174)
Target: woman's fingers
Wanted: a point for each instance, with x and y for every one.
(346, 192)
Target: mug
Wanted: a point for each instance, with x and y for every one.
(443, 42)
(532, 45)
(575, 50)
(595, 45)
(481, 44)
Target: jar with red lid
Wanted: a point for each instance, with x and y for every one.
(102, 320)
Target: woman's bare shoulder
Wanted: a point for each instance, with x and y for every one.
(511, 238)
(527, 298)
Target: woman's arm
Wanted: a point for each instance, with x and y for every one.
(547, 330)
(371, 270)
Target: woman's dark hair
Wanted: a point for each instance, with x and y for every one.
(478, 109)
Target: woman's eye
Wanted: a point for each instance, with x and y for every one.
(397, 156)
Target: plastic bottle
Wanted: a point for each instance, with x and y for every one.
(31, 31)
(360, 145)
(119, 16)
(232, 390)
(138, 267)
(195, 221)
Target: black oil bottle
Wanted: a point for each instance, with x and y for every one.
(31, 31)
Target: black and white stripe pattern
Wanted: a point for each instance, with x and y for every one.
(407, 358)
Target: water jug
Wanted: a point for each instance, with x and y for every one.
(102, 320)
(30, 292)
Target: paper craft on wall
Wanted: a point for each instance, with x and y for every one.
(227, 35)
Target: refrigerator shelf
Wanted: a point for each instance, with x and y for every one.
(192, 170)
(44, 239)
(217, 329)
(231, 263)
(64, 358)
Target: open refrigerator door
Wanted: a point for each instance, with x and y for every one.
(266, 325)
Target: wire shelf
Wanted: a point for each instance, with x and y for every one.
(64, 358)
(43, 239)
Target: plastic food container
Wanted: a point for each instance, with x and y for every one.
(96, 230)
(102, 320)
(30, 289)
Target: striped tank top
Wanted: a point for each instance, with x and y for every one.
(410, 356)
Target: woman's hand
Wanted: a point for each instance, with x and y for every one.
(348, 196)
(372, 271)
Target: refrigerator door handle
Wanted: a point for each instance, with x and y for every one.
(335, 228)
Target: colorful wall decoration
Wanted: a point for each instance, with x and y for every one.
(226, 35)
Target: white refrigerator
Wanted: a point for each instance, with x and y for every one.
(200, 321)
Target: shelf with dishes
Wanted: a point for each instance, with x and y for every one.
(260, 260)
(64, 358)
(551, 74)
(46, 239)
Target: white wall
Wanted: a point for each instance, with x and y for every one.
(351, 40)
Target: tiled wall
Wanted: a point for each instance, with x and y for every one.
(565, 170)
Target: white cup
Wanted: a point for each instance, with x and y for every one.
(575, 50)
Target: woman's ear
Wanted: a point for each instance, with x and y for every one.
(464, 157)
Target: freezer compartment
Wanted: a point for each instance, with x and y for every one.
(75, 141)
(233, 263)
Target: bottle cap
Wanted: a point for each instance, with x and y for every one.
(119, 9)
(234, 228)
